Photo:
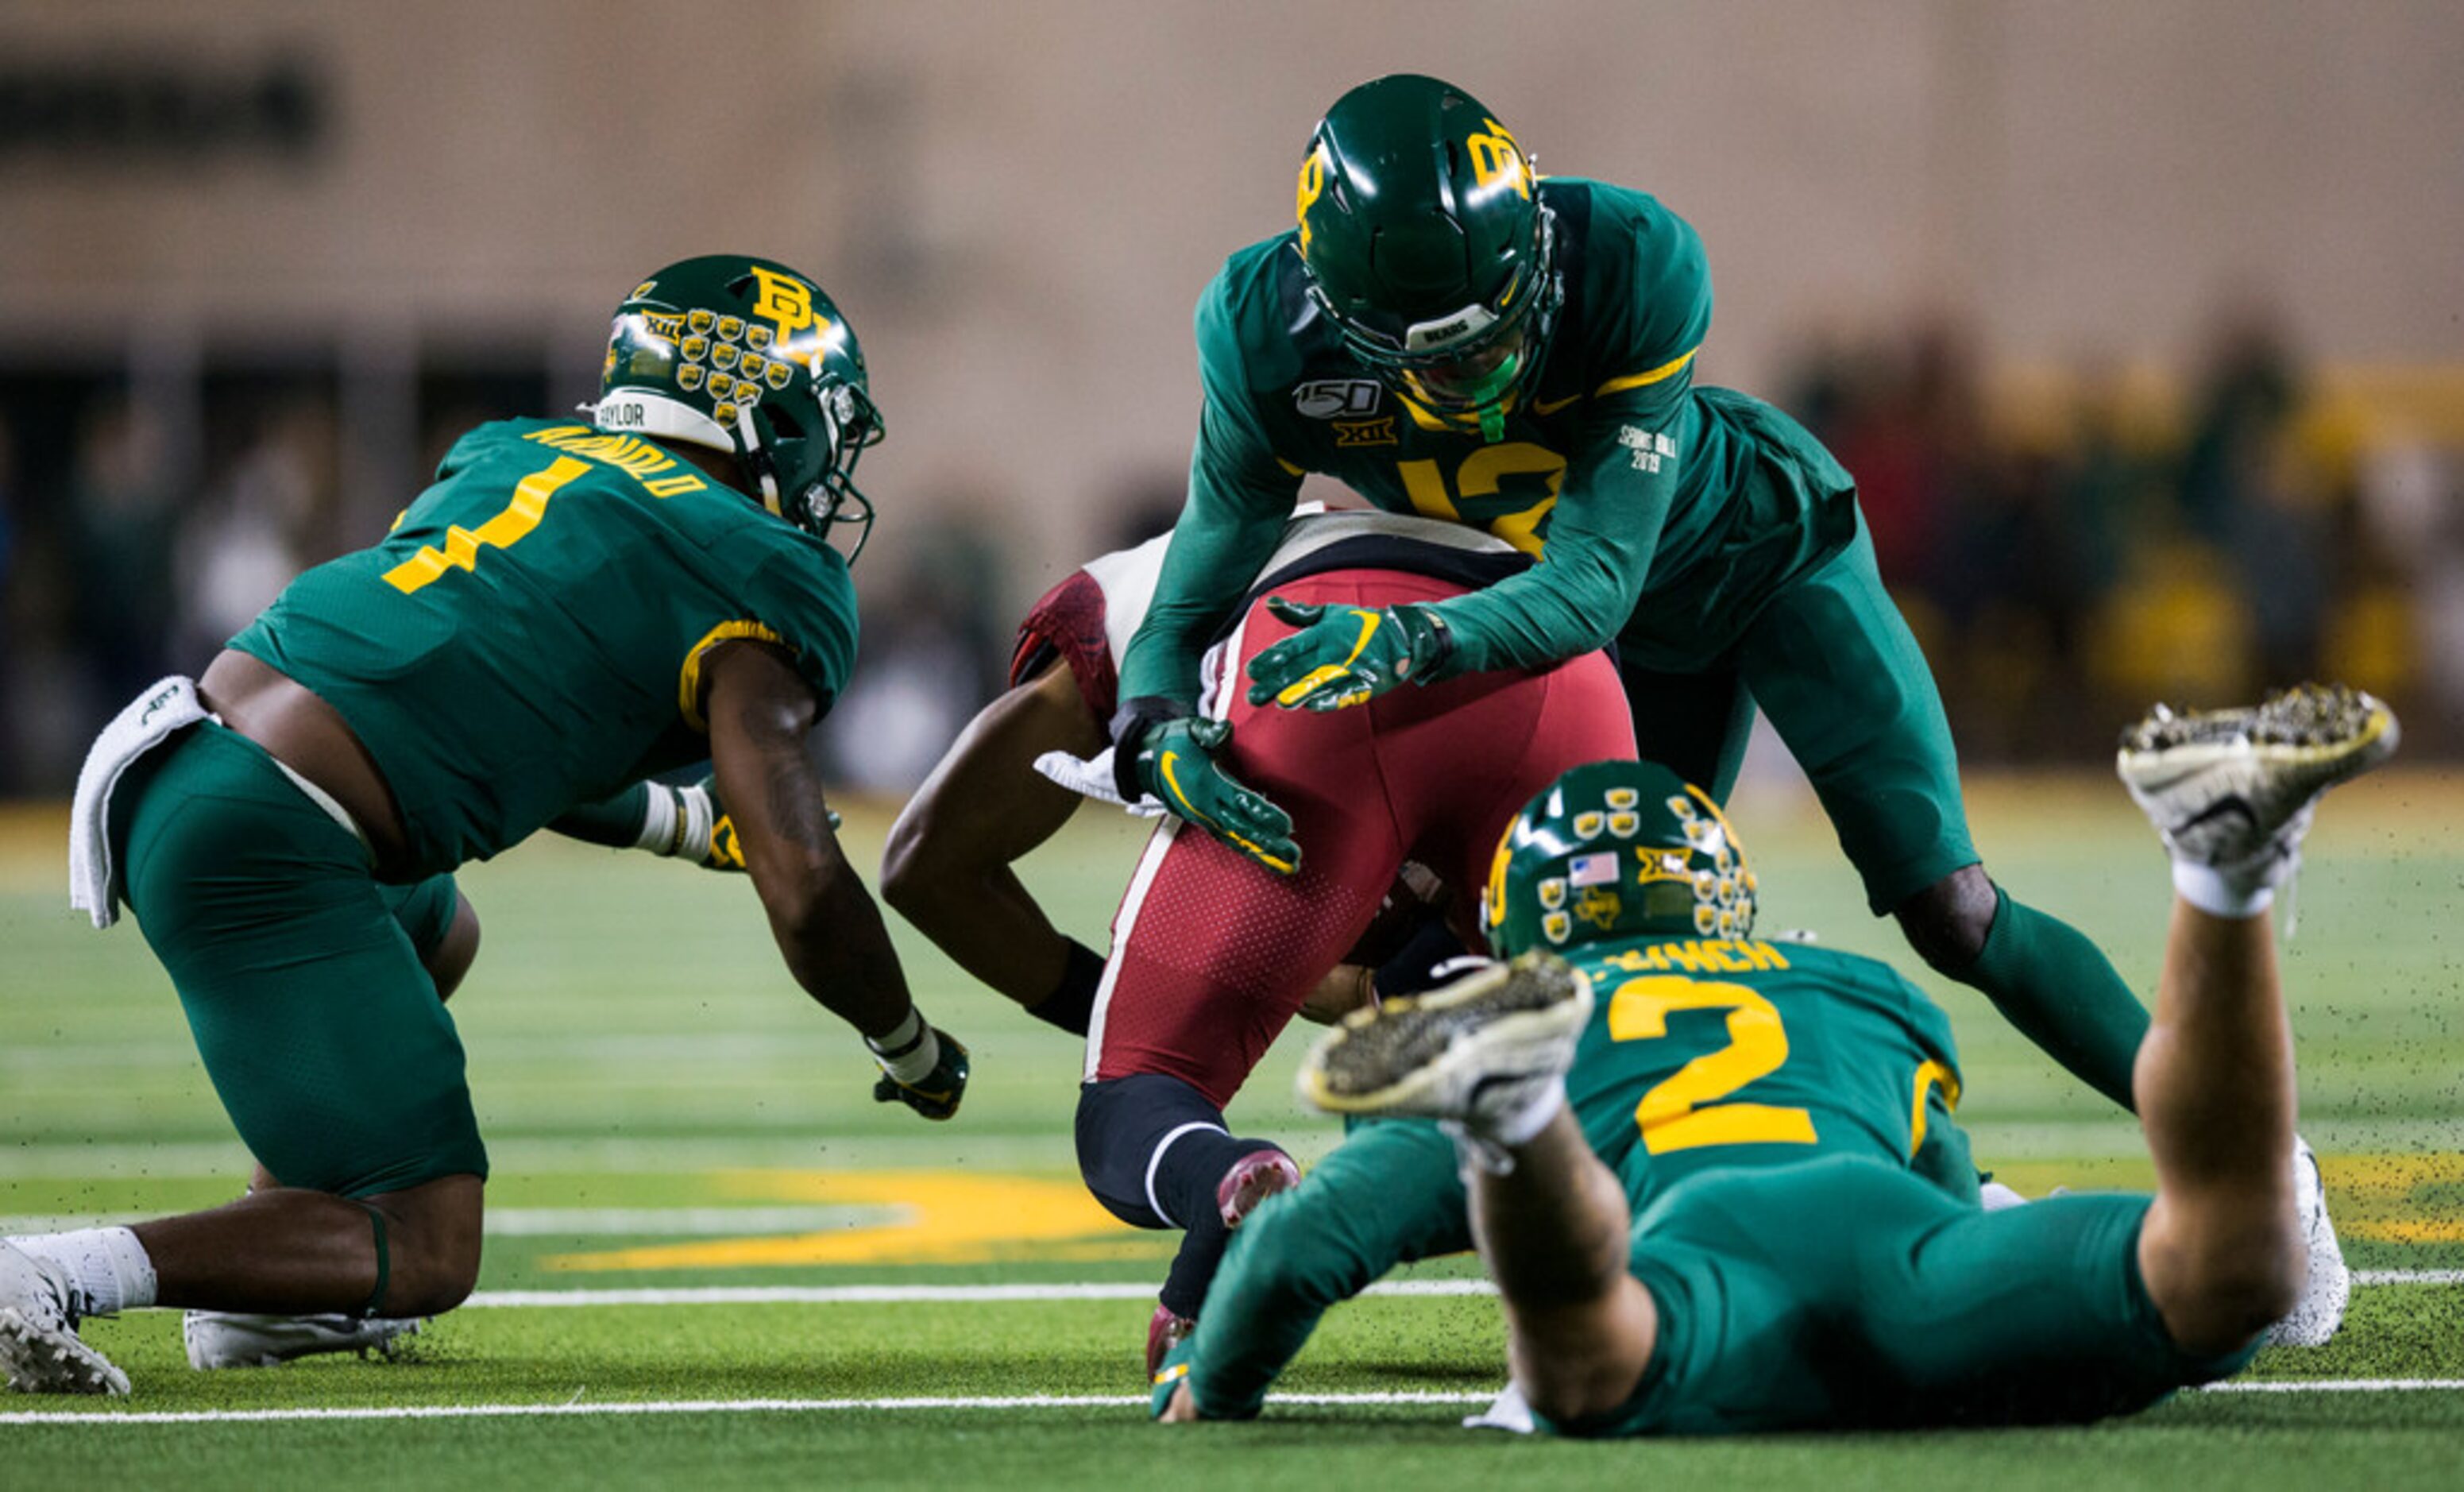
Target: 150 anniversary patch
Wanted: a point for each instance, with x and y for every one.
(1337, 398)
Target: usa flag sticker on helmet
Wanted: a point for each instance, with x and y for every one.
(1600, 869)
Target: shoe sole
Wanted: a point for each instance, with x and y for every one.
(2320, 733)
(1251, 1182)
(1380, 1061)
(36, 1361)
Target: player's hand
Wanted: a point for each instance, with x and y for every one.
(1161, 751)
(937, 1095)
(1174, 759)
(1348, 655)
(1346, 988)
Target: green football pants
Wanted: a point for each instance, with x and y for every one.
(300, 971)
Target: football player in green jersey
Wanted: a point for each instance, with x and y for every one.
(1663, 1124)
(1450, 334)
(570, 608)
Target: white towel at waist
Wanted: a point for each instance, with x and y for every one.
(151, 718)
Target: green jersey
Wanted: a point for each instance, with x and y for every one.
(1701, 1057)
(1706, 1054)
(1646, 498)
(530, 634)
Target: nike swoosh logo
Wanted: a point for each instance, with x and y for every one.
(1544, 406)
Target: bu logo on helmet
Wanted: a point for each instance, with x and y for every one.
(786, 303)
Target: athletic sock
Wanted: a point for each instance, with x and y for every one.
(1071, 1004)
(909, 1050)
(2235, 891)
(108, 1267)
(2061, 993)
(1187, 1174)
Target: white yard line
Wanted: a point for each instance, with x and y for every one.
(894, 1294)
(1433, 1400)
(1095, 1290)
(692, 1407)
(2334, 1386)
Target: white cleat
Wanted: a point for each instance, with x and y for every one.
(2234, 788)
(2329, 1284)
(1475, 1051)
(40, 1351)
(238, 1339)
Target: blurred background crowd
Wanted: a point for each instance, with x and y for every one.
(238, 329)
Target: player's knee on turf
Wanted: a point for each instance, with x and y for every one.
(432, 1245)
(1946, 922)
(1581, 1362)
(2219, 1285)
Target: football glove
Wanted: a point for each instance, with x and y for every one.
(1173, 759)
(938, 1093)
(1348, 655)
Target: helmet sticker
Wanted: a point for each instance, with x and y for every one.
(1556, 926)
(731, 328)
(701, 320)
(1625, 825)
(1622, 798)
(1552, 893)
(1599, 907)
(1593, 869)
(1588, 825)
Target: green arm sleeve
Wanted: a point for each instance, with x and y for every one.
(1647, 309)
(1388, 1195)
(1239, 496)
(1601, 538)
(613, 821)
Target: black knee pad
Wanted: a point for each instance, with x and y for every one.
(1120, 1122)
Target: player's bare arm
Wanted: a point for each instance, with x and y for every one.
(948, 866)
(761, 717)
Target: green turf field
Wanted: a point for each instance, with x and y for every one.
(670, 1117)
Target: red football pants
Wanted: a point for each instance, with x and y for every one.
(1213, 952)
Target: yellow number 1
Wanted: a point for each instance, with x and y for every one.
(1680, 1114)
(461, 550)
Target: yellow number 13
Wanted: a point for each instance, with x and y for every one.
(1681, 1113)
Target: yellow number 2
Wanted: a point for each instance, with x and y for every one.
(461, 550)
(1681, 1112)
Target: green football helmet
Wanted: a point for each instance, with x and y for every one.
(748, 357)
(1617, 849)
(1428, 247)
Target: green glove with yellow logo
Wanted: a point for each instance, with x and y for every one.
(1171, 756)
(1348, 655)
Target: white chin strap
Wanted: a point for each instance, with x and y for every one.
(638, 411)
(753, 442)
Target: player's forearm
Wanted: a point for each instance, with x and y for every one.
(1387, 1195)
(1225, 535)
(990, 927)
(614, 822)
(1602, 542)
(1563, 608)
(838, 949)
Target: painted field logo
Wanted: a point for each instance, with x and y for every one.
(1333, 398)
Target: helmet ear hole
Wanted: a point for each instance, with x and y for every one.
(785, 422)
